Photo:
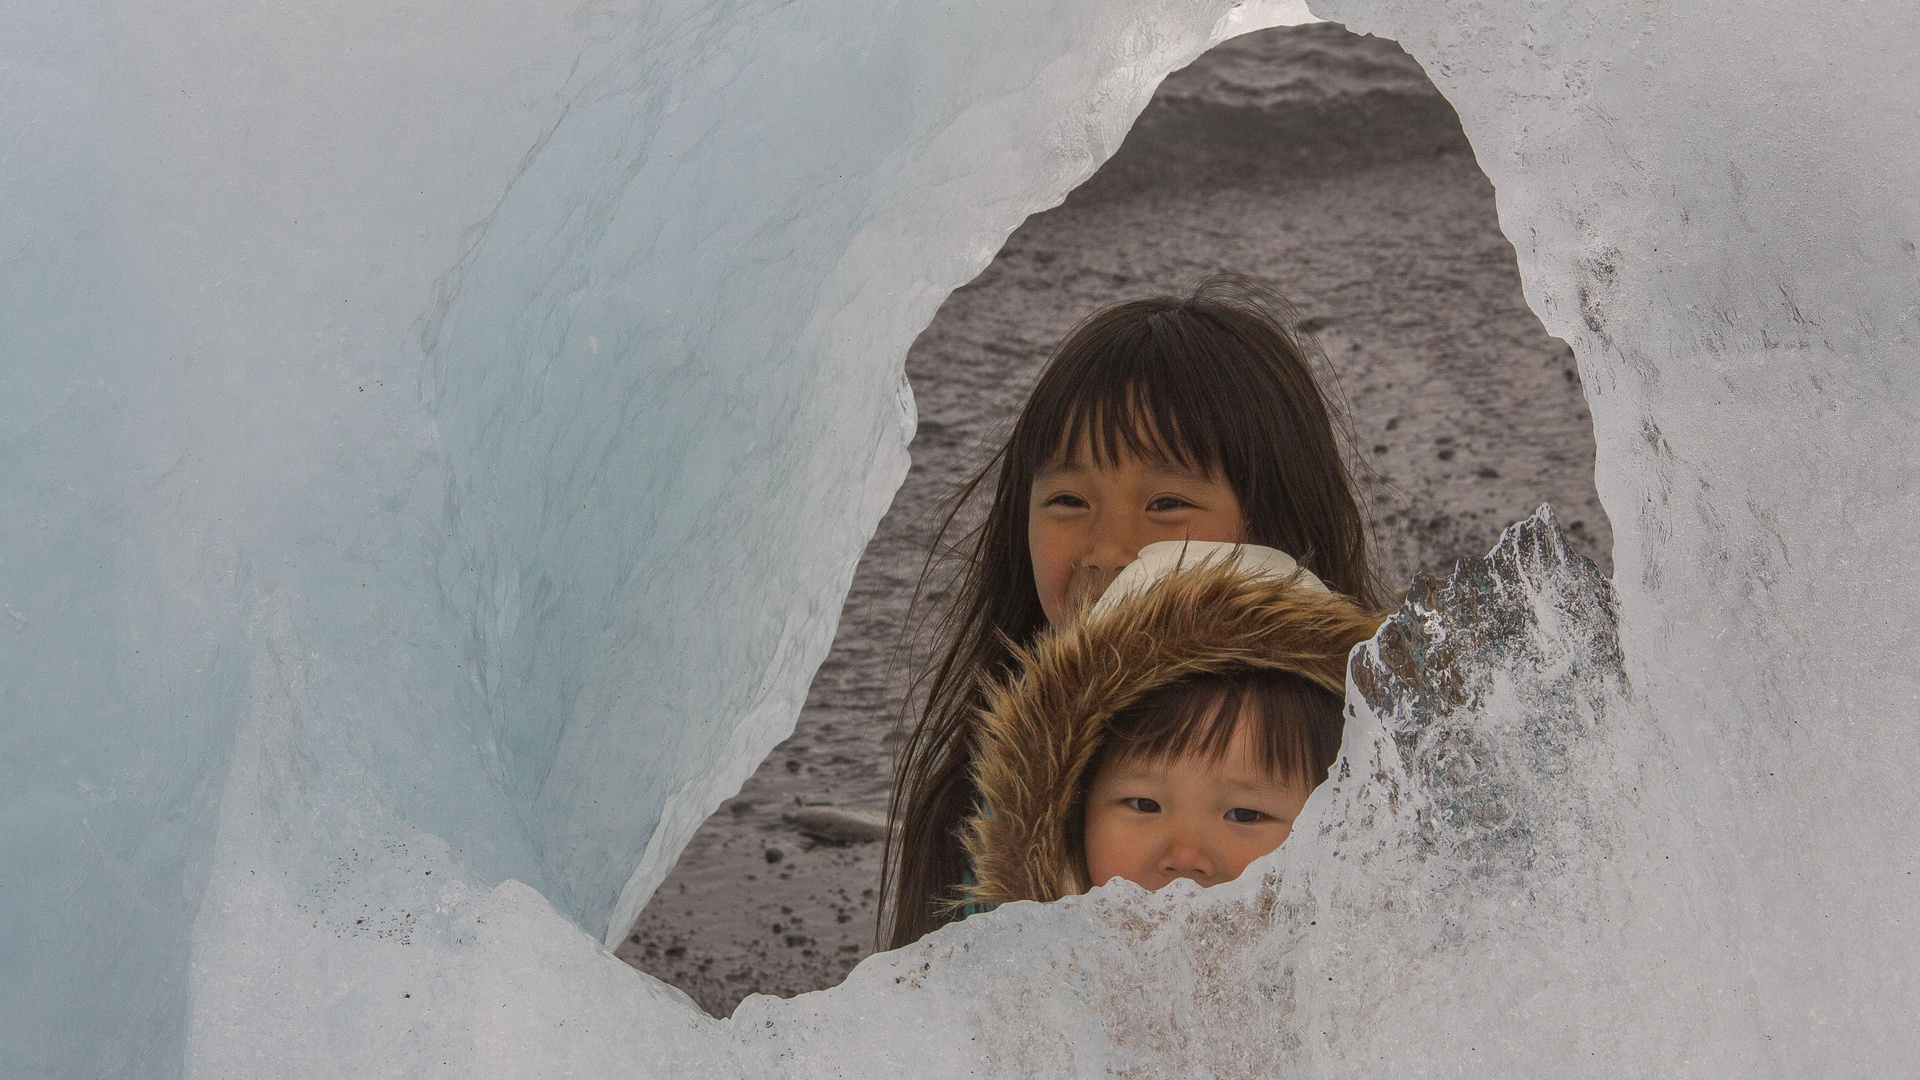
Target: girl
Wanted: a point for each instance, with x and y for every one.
(1176, 732)
(1172, 418)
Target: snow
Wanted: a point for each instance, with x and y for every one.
(434, 445)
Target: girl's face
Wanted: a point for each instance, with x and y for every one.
(1187, 817)
(1085, 522)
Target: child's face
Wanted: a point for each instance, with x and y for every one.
(1187, 817)
(1086, 522)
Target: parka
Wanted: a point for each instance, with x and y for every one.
(1181, 610)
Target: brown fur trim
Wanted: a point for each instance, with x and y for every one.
(1040, 730)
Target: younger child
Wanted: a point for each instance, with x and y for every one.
(1174, 732)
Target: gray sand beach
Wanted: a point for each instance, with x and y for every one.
(1321, 161)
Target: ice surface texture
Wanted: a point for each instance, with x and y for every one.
(434, 444)
(439, 440)
(1717, 208)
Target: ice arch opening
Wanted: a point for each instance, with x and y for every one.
(290, 620)
(1321, 160)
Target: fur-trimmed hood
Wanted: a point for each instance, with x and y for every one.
(1039, 730)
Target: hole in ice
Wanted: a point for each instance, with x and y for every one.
(1322, 161)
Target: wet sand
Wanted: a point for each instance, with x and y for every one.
(1321, 161)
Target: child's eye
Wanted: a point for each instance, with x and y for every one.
(1068, 500)
(1164, 503)
(1244, 816)
(1145, 806)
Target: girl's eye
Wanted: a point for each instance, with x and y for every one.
(1244, 816)
(1068, 500)
(1164, 503)
(1145, 806)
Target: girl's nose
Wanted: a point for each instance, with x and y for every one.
(1111, 547)
(1115, 544)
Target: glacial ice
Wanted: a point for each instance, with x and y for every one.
(434, 443)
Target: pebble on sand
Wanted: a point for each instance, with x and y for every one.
(835, 825)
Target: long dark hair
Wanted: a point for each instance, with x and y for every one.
(1217, 381)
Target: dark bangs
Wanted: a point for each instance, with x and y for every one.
(1297, 725)
(1116, 392)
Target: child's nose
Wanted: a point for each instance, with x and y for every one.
(1188, 856)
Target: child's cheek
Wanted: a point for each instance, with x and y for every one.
(1102, 866)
